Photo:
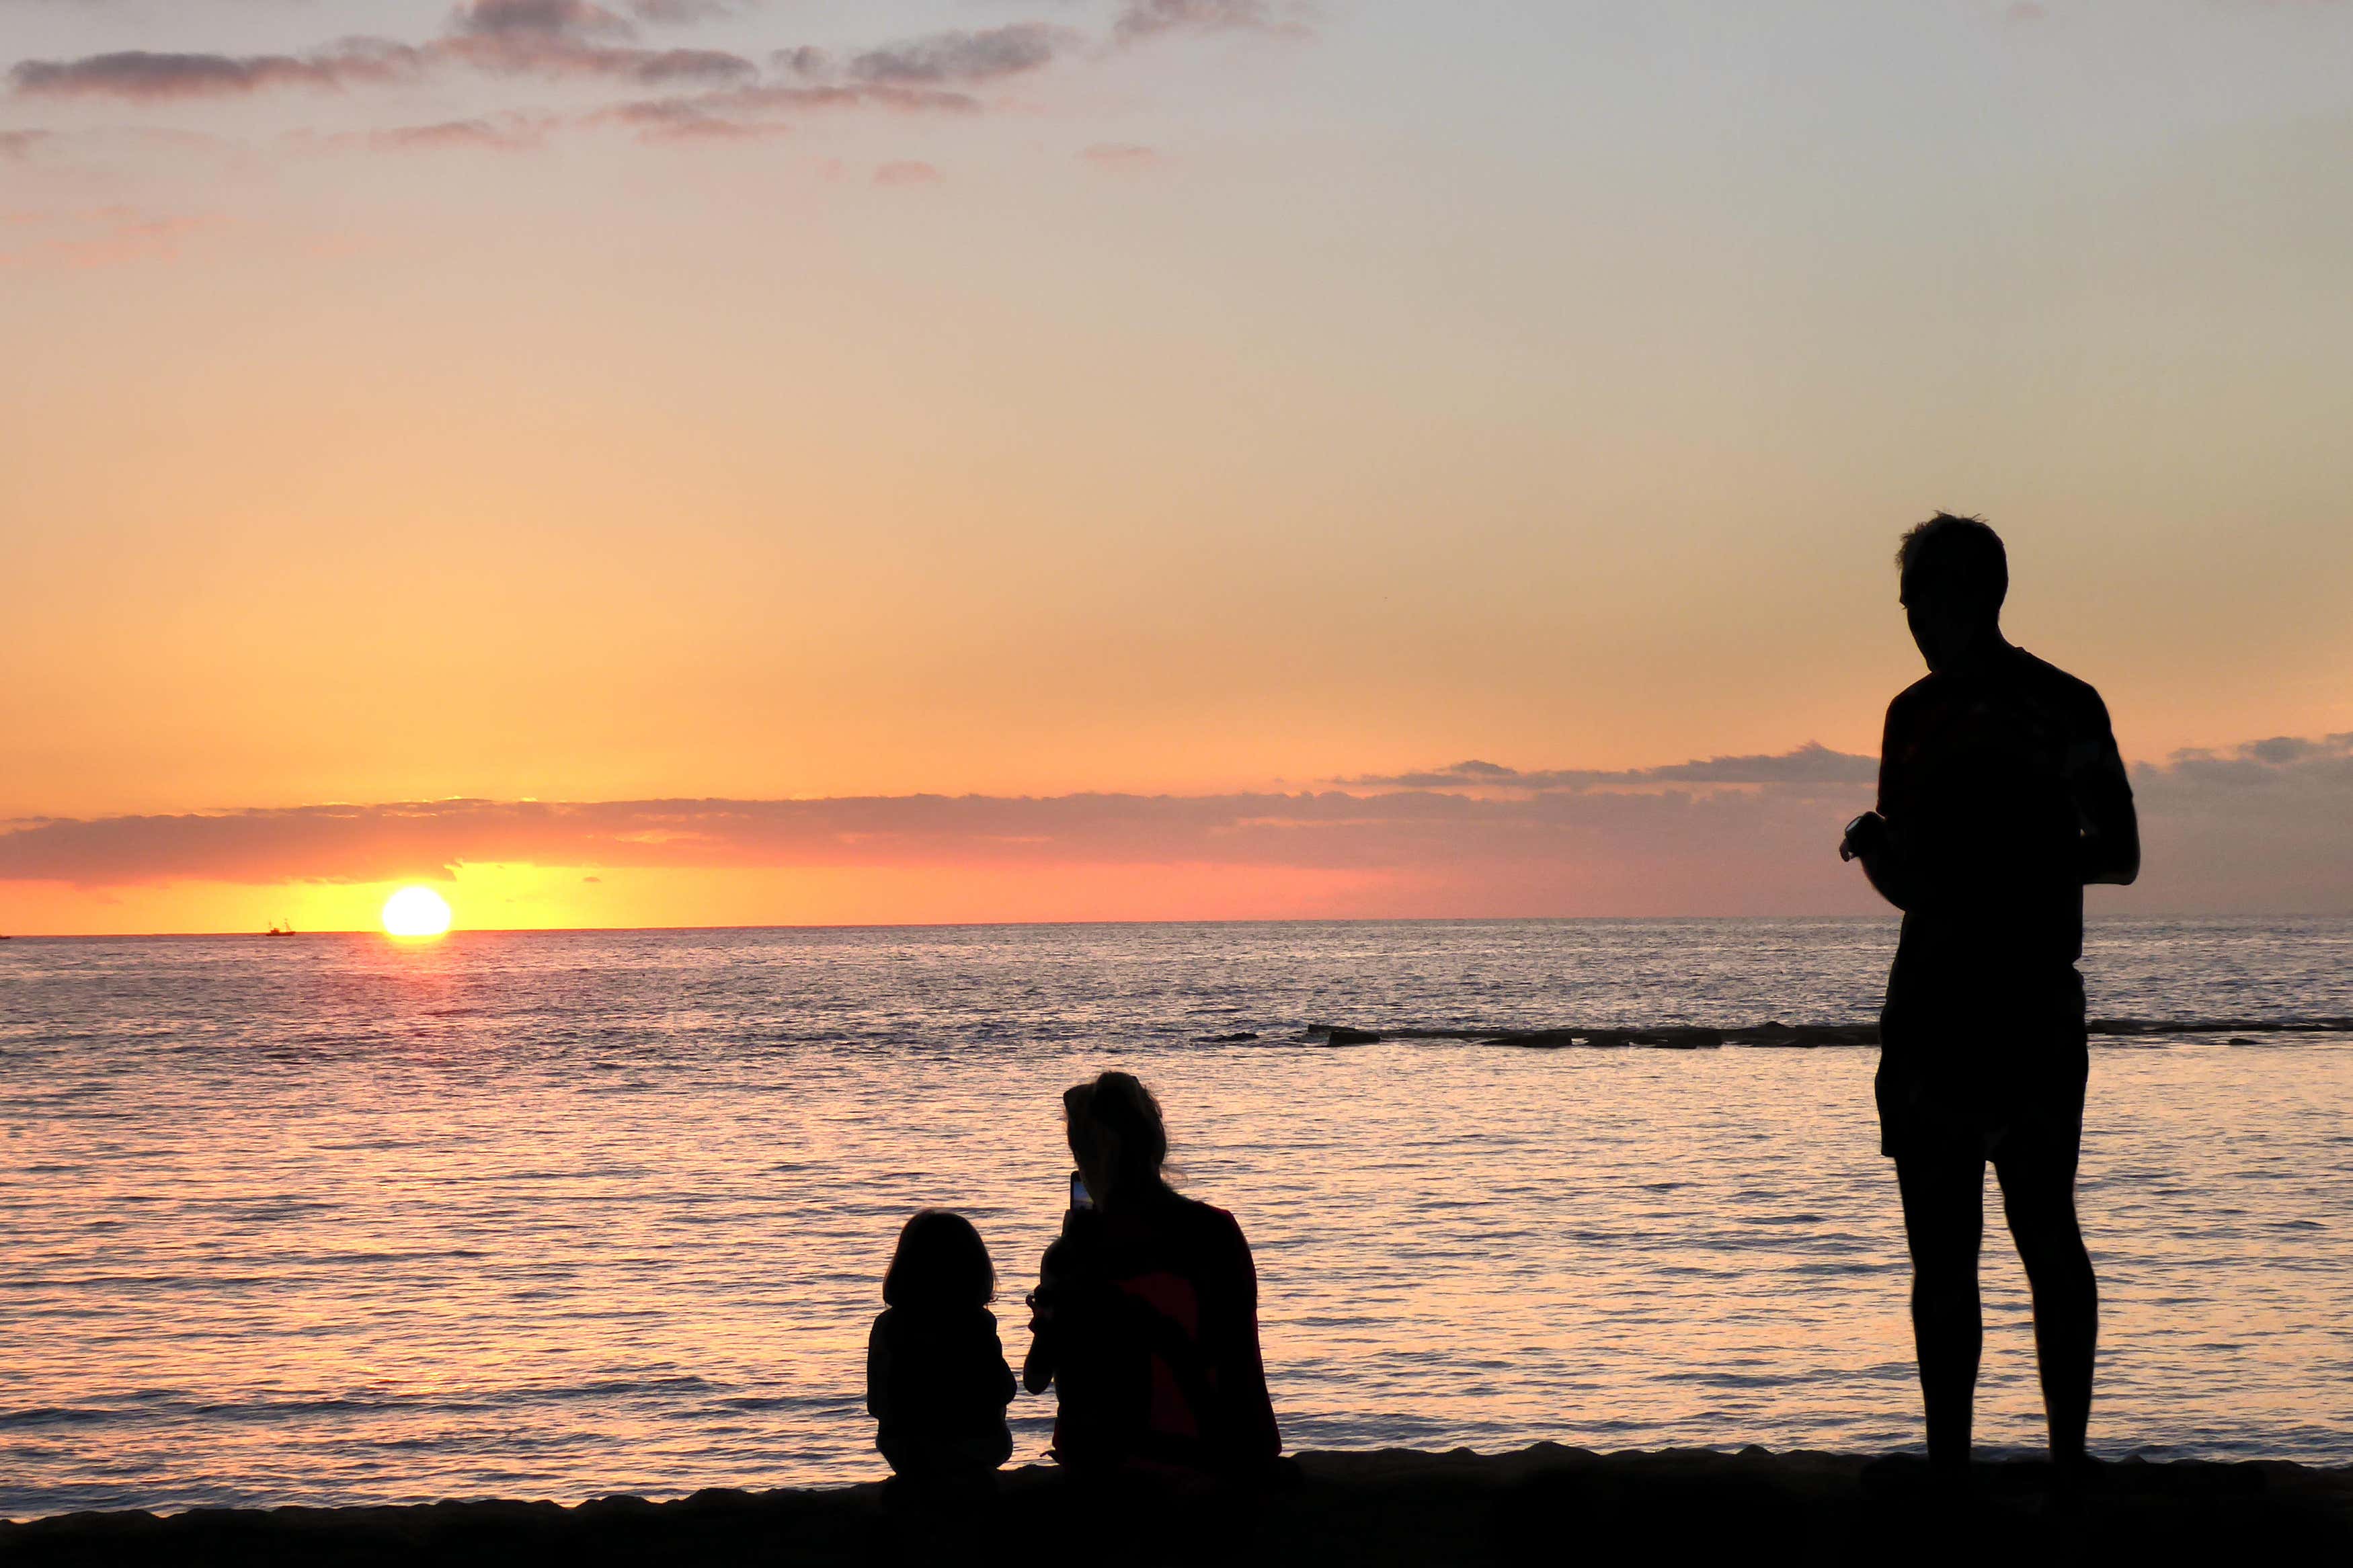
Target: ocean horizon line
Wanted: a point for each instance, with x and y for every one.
(1891, 917)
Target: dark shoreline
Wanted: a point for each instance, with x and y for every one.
(1390, 1507)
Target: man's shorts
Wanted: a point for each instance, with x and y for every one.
(1998, 1077)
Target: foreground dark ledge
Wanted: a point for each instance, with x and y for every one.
(1393, 1507)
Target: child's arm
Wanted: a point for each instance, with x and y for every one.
(1005, 1385)
(1037, 1366)
(878, 1371)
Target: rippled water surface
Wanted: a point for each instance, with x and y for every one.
(331, 1219)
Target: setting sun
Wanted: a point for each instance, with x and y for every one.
(416, 912)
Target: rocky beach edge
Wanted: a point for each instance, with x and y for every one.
(1542, 1503)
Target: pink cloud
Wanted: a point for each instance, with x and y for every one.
(907, 172)
(107, 237)
(1121, 158)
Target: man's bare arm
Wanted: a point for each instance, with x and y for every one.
(2112, 831)
(2110, 848)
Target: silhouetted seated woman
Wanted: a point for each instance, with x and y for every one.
(1147, 1311)
(937, 1380)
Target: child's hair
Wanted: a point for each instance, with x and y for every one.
(941, 1262)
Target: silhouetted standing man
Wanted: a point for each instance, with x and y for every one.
(2001, 796)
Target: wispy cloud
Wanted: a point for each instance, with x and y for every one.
(678, 12)
(362, 843)
(2265, 825)
(560, 55)
(1143, 19)
(586, 40)
(1811, 763)
(2280, 760)
(753, 112)
(547, 38)
(559, 18)
(1121, 158)
(685, 120)
(509, 134)
(96, 238)
(907, 172)
(142, 74)
(962, 57)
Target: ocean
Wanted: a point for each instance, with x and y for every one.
(334, 1219)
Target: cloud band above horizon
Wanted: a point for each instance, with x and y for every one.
(2268, 824)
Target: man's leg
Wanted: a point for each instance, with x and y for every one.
(2038, 1197)
(1944, 1221)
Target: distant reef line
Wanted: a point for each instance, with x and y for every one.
(1771, 1033)
(1396, 1507)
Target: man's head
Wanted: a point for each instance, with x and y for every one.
(1955, 577)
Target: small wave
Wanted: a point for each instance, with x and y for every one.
(51, 1416)
(2309, 1025)
(1774, 1034)
(151, 1404)
(608, 1388)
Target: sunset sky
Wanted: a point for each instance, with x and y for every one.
(696, 462)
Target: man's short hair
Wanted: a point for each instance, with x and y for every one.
(1955, 557)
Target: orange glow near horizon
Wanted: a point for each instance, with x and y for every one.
(561, 898)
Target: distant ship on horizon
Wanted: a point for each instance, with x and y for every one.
(285, 927)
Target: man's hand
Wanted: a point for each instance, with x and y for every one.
(1866, 838)
(1870, 840)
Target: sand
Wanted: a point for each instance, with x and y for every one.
(1543, 1503)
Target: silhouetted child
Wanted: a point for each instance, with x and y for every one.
(937, 1380)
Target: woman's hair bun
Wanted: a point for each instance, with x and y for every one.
(1117, 1104)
